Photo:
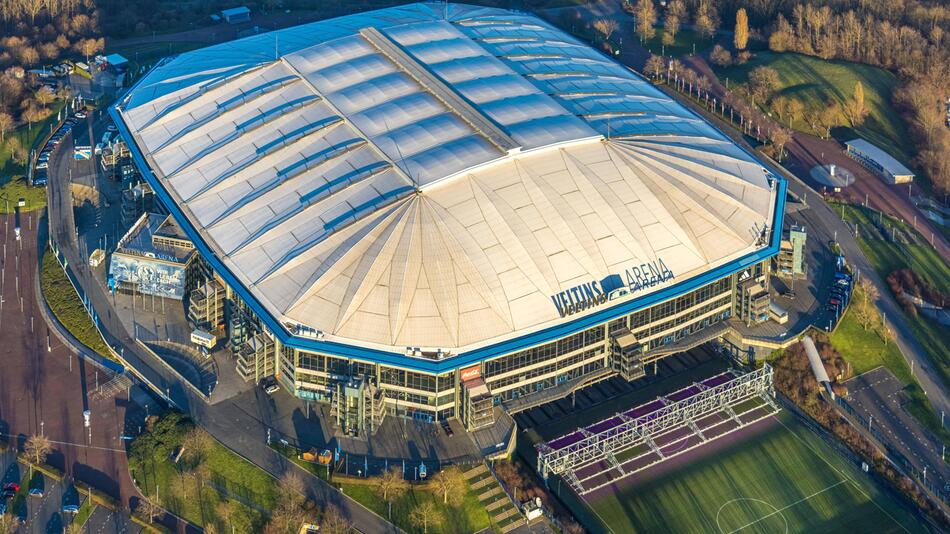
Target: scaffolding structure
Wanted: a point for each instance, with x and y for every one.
(617, 447)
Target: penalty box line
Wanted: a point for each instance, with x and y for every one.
(779, 510)
(842, 473)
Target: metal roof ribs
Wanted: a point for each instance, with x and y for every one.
(455, 102)
(308, 199)
(228, 105)
(202, 89)
(285, 175)
(248, 126)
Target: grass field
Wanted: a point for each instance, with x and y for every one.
(865, 350)
(782, 478)
(250, 491)
(887, 257)
(13, 184)
(812, 81)
(684, 45)
(468, 516)
(68, 309)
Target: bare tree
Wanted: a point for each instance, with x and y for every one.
(655, 65)
(763, 81)
(606, 28)
(646, 18)
(707, 20)
(779, 137)
(389, 483)
(6, 124)
(150, 507)
(868, 309)
(451, 484)
(293, 484)
(425, 514)
(29, 56)
(675, 15)
(37, 448)
(333, 521)
(287, 517)
(45, 96)
(8, 524)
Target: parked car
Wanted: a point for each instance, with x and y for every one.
(269, 384)
(10, 489)
(70, 509)
(447, 428)
(80, 115)
(789, 294)
(37, 484)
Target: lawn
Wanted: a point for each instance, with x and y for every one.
(250, 491)
(686, 42)
(887, 256)
(468, 516)
(781, 477)
(13, 185)
(812, 81)
(67, 307)
(865, 350)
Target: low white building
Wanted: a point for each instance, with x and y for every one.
(879, 161)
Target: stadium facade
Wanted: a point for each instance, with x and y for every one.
(428, 210)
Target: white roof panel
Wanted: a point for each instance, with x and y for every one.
(400, 178)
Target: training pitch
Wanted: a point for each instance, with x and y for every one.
(777, 477)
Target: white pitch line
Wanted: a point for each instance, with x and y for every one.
(803, 499)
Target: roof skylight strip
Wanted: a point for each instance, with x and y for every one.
(285, 140)
(229, 104)
(346, 181)
(454, 101)
(202, 89)
(284, 175)
(247, 126)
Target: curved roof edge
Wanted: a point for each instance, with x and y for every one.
(467, 358)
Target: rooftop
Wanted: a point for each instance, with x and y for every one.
(396, 178)
(885, 160)
(138, 240)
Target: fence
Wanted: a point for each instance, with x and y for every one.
(895, 456)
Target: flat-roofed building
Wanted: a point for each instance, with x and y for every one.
(879, 161)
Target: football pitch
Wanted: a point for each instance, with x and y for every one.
(777, 477)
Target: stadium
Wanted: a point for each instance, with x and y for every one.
(438, 211)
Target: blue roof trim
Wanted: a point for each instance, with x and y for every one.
(478, 355)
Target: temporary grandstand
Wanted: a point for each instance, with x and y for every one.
(617, 447)
(450, 199)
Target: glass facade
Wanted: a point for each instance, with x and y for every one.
(428, 397)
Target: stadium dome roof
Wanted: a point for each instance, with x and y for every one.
(398, 178)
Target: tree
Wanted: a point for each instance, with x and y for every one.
(37, 448)
(287, 517)
(29, 56)
(646, 18)
(294, 485)
(425, 514)
(763, 81)
(196, 444)
(390, 482)
(150, 507)
(675, 15)
(6, 124)
(333, 521)
(854, 107)
(8, 525)
(451, 484)
(45, 96)
(779, 137)
(741, 37)
(794, 110)
(17, 153)
(707, 20)
(720, 56)
(49, 51)
(606, 28)
(867, 309)
(89, 47)
(654, 64)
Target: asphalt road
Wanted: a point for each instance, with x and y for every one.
(877, 396)
(226, 421)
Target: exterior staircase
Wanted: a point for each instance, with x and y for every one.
(505, 516)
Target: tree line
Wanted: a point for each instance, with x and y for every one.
(907, 37)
